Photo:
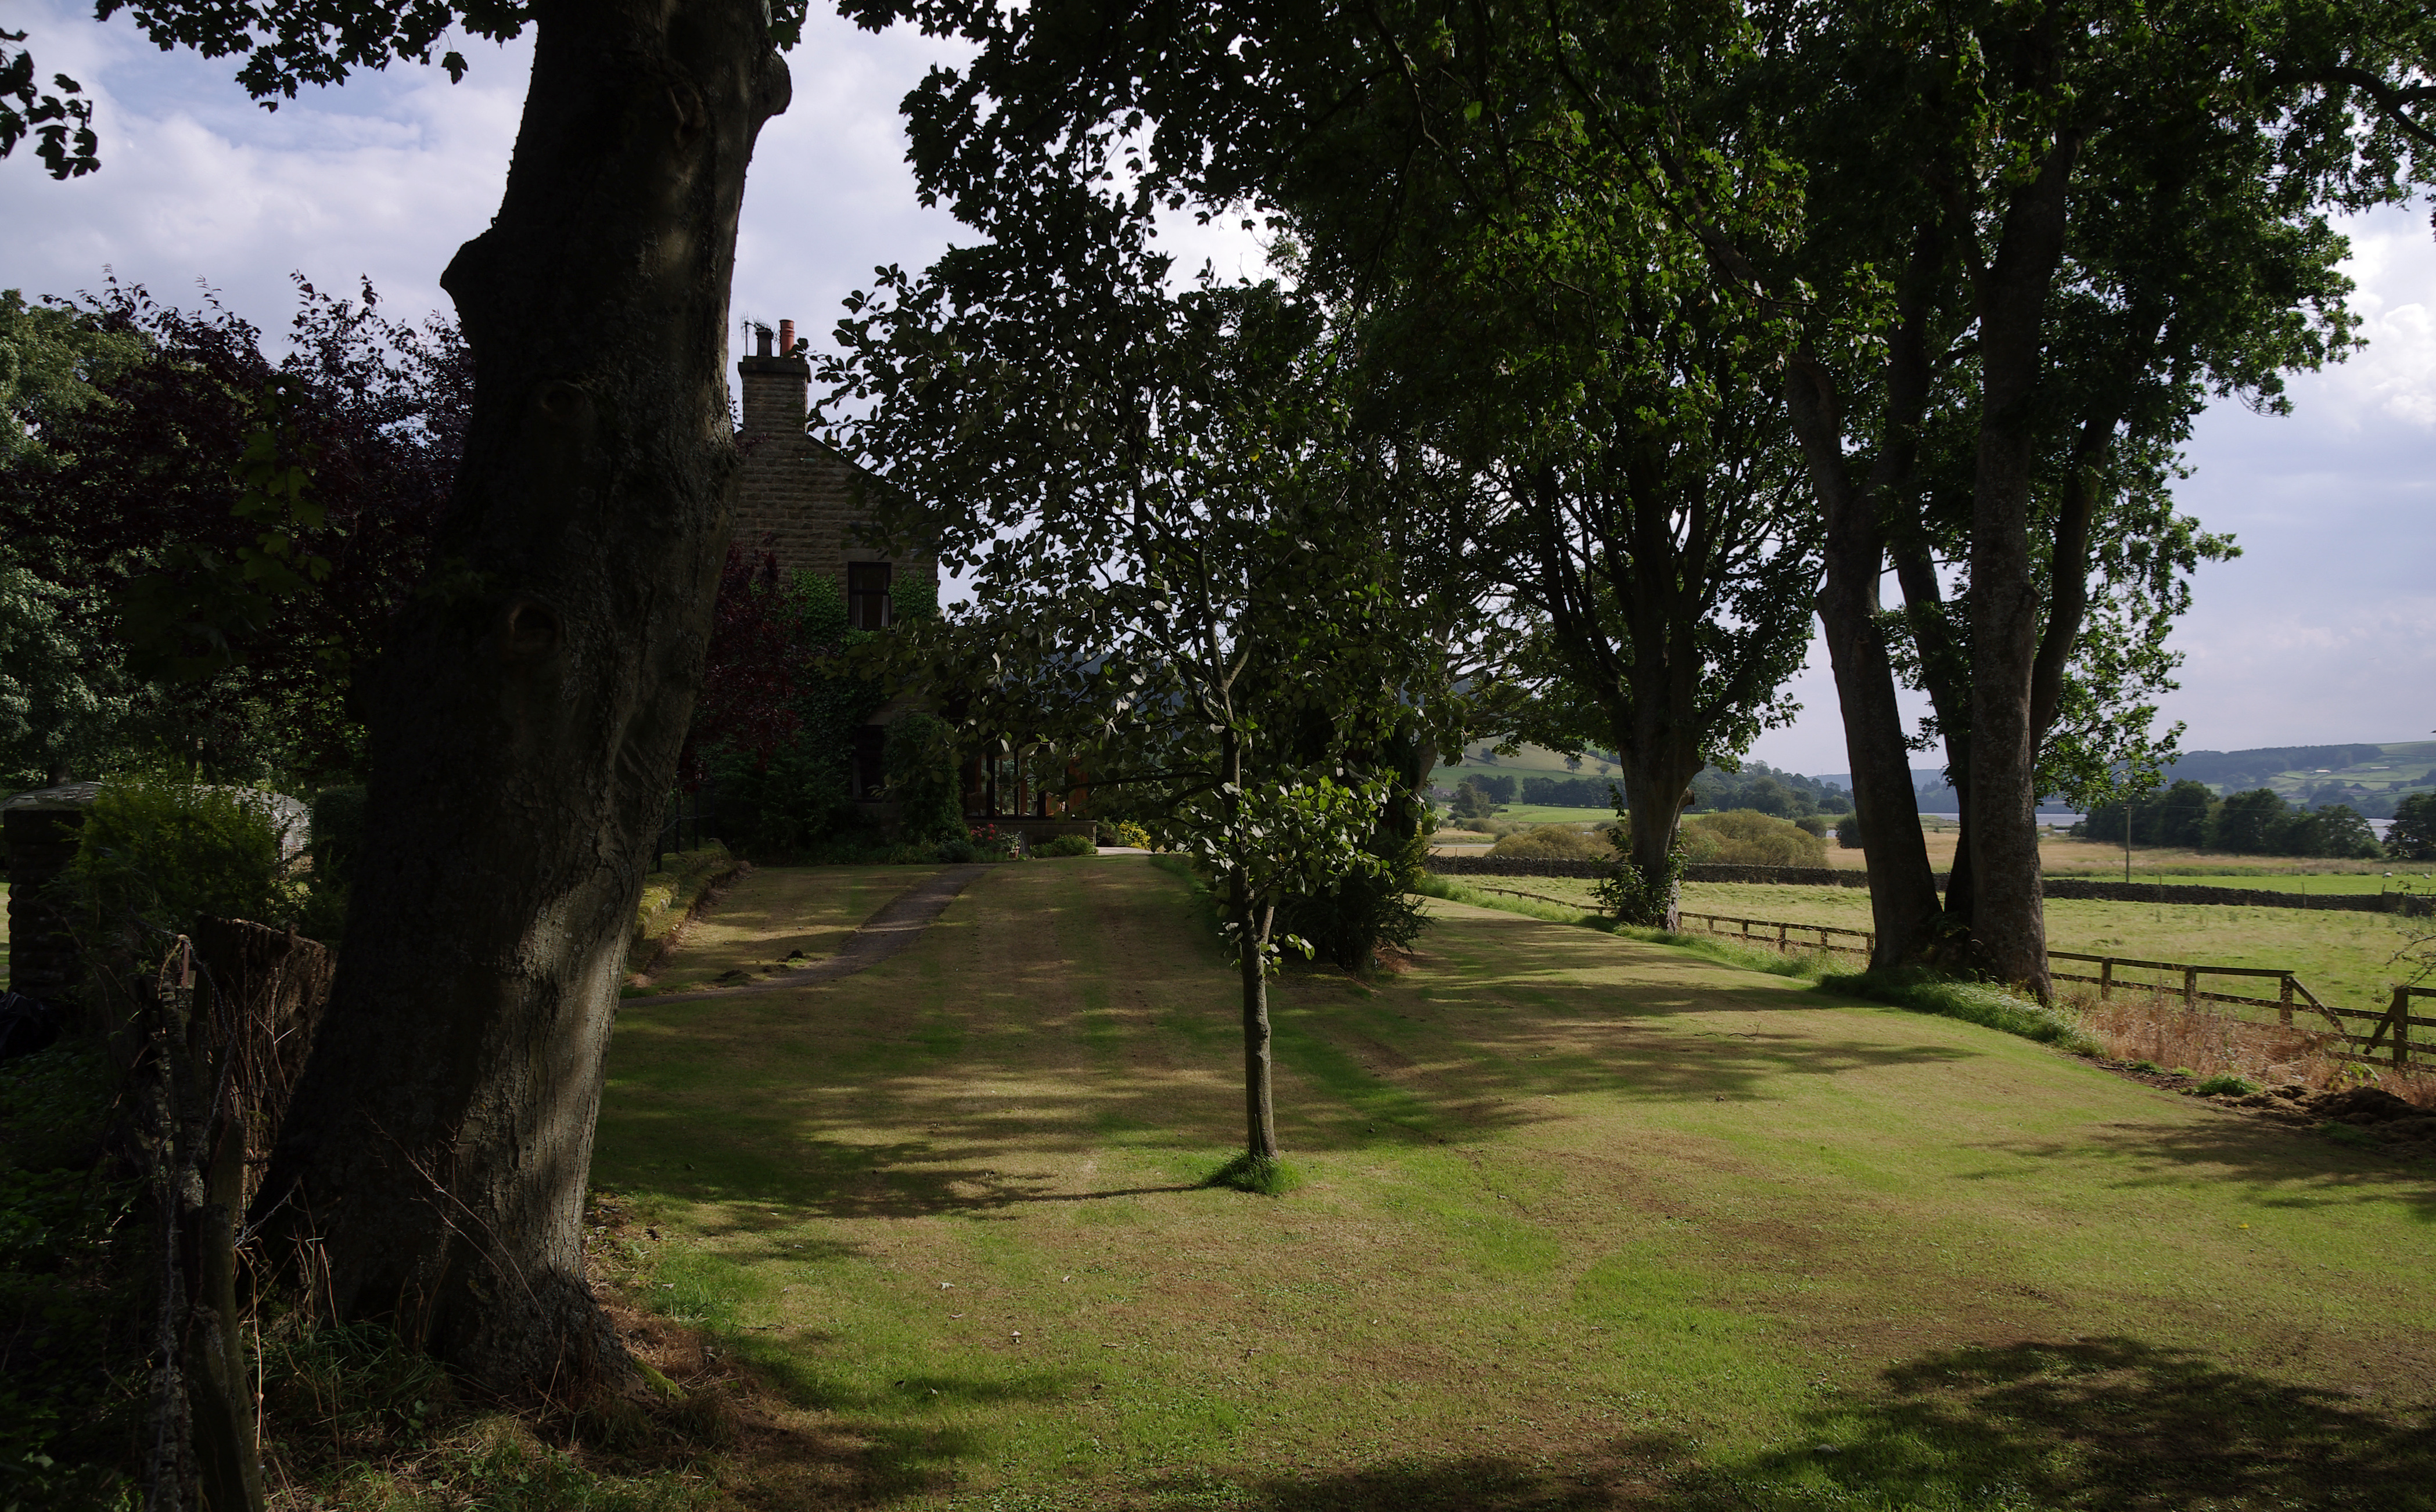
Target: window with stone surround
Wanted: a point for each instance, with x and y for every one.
(866, 595)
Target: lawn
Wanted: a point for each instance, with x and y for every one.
(1585, 1223)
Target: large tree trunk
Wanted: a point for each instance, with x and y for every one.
(1654, 785)
(2008, 919)
(527, 715)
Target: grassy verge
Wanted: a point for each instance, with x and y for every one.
(1974, 1003)
(1447, 888)
(670, 895)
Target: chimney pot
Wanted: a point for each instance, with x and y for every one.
(785, 339)
(761, 340)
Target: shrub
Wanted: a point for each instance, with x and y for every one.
(923, 778)
(1811, 825)
(1552, 843)
(958, 850)
(2225, 1084)
(1129, 833)
(1349, 922)
(337, 834)
(1743, 837)
(168, 851)
(1848, 832)
(1065, 845)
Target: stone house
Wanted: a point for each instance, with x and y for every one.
(801, 500)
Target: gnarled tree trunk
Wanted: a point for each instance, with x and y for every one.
(527, 715)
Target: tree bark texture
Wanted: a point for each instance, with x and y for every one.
(2008, 919)
(527, 714)
(1903, 889)
(1945, 669)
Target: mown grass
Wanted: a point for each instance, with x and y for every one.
(1586, 1222)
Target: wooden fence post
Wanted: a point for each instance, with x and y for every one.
(2401, 1015)
(2283, 1003)
(2105, 979)
(2190, 988)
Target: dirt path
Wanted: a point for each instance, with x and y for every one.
(898, 924)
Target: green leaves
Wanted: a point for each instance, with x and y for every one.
(191, 619)
(60, 124)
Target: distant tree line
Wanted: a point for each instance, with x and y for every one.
(2256, 823)
(1762, 788)
(1759, 789)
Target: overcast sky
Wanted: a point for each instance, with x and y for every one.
(2323, 630)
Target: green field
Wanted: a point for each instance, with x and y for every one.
(1584, 1223)
(2344, 958)
(2403, 764)
(2398, 880)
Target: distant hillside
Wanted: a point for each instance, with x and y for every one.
(2366, 777)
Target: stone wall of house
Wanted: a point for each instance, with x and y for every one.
(798, 498)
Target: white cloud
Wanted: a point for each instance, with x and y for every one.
(2394, 261)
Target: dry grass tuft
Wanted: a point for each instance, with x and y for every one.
(2206, 1038)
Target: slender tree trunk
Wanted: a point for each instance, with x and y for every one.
(1903, 889)
(527, 715)
(1253, 917)
(1945, 671)
(1960, 895)
(1260, 1115)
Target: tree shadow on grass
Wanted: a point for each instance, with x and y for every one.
(2279, 1166)
(2096, 1423)
(2106, 1425)
(909, 1438)
(841, 1105)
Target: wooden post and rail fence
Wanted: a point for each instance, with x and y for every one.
(2384, 1038)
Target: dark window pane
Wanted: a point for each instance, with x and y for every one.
(866, 595)
(870, 771)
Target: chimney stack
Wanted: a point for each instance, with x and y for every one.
(785, 339)
(761, 340)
